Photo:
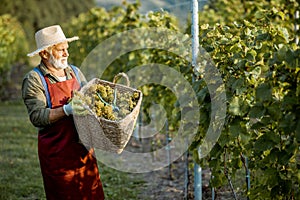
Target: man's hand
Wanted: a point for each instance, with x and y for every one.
(75, 106)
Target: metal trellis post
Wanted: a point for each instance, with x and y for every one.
(296, 26)
(195, 51)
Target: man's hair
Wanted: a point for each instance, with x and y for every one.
(48, 49)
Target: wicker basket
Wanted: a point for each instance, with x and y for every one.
(104, 134)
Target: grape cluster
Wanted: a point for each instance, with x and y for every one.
(125, 101)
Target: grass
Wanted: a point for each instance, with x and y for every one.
(20, 176)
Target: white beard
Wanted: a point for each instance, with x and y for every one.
(61, 63)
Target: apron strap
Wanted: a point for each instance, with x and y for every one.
(36, 69)
(76, 74)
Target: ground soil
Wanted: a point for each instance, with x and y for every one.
(175, 181)
(167, 183)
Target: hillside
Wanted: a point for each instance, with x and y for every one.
(147, 5)
(181, 9)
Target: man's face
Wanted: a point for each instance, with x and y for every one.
(59, 55)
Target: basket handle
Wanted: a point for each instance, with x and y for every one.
(123, 75)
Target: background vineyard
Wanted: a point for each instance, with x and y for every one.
(252, 44)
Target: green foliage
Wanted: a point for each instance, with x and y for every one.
(228, 11)
(36, 14)
(251, 44)
(260, 67)
(98, 24)
(13, 48)
(18, 22)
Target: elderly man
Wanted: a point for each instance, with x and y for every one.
(69, 170)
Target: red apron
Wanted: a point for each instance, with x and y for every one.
(69, 170)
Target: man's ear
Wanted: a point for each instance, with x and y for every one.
(44, 55)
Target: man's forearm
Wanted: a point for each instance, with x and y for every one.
(56, 114)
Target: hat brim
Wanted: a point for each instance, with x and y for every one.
(57, 42)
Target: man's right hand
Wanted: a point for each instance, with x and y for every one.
(75, 106)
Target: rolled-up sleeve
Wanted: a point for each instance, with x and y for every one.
(33, 94)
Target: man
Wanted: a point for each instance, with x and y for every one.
(69, 170)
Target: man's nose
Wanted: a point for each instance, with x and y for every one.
(66, 53)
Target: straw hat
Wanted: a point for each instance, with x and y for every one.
(49, 36)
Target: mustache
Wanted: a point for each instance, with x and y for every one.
(59, 63)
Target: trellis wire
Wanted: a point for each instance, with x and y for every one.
(247, 171)
(186, 175)
(168, 148)
(228, 177)
(212, 190)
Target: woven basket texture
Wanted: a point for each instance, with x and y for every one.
(104, 134)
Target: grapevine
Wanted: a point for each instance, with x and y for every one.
(253, 46)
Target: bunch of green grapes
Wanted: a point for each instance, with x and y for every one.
(125, 101)
(98, 106)
(105, 91)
